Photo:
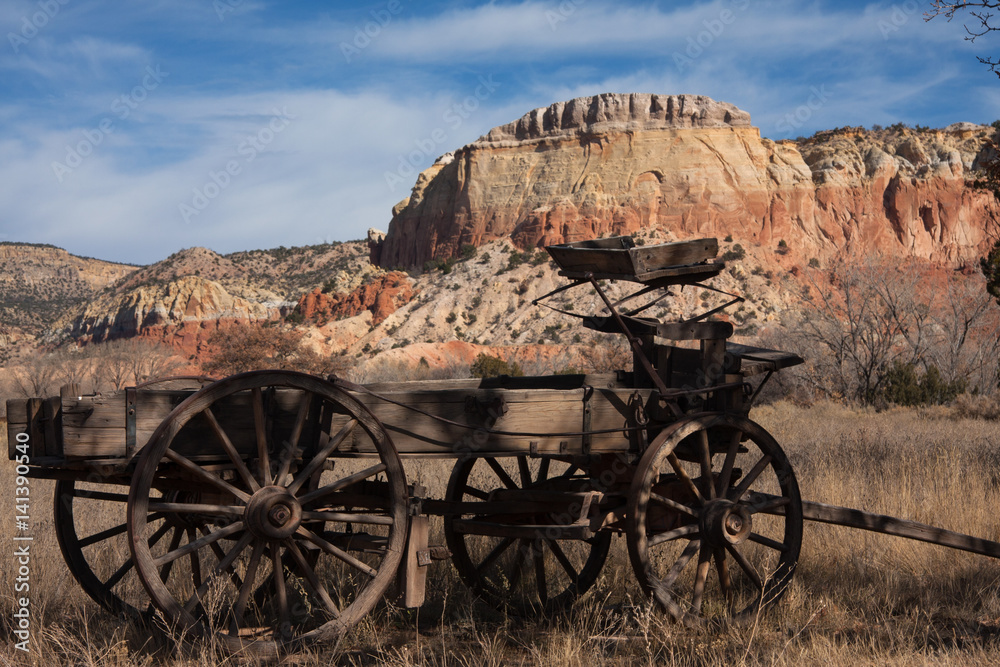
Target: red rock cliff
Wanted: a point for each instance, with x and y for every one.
(615, 164)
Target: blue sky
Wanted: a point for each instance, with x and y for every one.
(130, 130)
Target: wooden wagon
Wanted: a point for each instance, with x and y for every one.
(272, 508)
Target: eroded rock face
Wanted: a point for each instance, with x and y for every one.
(382, 296)
(617, 164)
(187, 304)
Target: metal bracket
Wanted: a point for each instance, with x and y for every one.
(130, 408)
(588, 393)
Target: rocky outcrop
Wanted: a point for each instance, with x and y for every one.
(187, 302)
(618, 164)
(382, 296)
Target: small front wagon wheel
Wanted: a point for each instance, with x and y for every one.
(270, 559)
(714, 520)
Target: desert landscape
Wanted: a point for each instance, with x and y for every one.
(527, 332)
(855, 249)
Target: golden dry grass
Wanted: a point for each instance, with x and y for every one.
(857, 598)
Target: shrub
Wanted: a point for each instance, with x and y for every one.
(813, 263)
(468, 251)
(735, 253)
(904, 386)
(488, 366)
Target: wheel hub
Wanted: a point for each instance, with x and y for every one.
(273, 513)
(725, 523)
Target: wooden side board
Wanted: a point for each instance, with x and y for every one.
(98, 427)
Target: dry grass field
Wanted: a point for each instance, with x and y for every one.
(856, 598)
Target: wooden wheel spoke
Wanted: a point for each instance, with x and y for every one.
(501, 473)
(543, 470)
(751, 477)
(103, 535)
(570, 471)
(706, 463)
(325, 450)
(345, 517)
(290, 452)
(158, 535)
(514, 577)
(119, 573)
(701, 576)
(676, 533)
(476, 493)
(280, 590)
(260, 430)
(221, 555)
(745, 566)
(230, 449)
(769, 505)
(675, 570)
(560, 555)
(673, 504)
(324, 491)
(194, 545)
(196, 508)
(205, 476)
(239, 608)
(524, 471)
(684, 477)
(312, 579)
(336, 552)
(84, 494)
(538, 555)
(192, 535)
(175, 541)
(726, 475)
(495, 553)
(767, 542)
(722, 569)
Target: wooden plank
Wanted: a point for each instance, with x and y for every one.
(664, 255)
(51, 416)
(17, 422)
(413, 576)
(912, 530)
(534, 411)
(530, 532)
(93, 442)
(695, 330)
(764, 358)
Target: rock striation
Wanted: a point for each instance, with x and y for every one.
(621, 163)
(382, 296)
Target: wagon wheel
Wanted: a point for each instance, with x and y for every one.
(90, 522)
(267, 563)
(714, 519)
(521, 574)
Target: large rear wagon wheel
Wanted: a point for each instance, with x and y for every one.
(271, 559)
(714, 520)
